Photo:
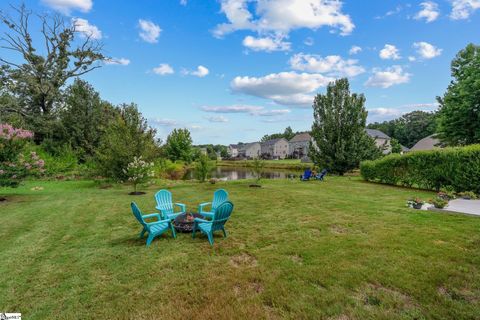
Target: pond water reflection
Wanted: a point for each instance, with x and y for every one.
(238, 173)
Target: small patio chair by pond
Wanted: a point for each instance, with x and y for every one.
(166, 206)
(219, 197)
(321, 175)
(155, 228)
(306, 175)
(220, 217)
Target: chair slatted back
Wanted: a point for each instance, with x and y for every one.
(164, 201)
(219, 197)
(222, 214)
(138, 214)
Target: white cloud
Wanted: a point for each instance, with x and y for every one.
(66, 6)
(282, 16)
(426, 50)
(217, 119)
(163, 69)
(252, 110)
(86, 29)
(390, 52)
(388, 77)
(429, 11)
(164, 122)
(183, 2)
(149, 31)
(267, 44)
(309, 41)
(200, 72)
(283, 88)
(384, 112)
(389, 13)
(412, 58)
(331, 65)
(272, 113)
(462, 9)
(232, 109)
(117, 61)
(354, 50)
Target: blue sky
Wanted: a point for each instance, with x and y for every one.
(234, 70)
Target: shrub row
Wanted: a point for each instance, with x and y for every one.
(457, 168)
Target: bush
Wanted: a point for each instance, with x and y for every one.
(203, 167)
(454, 168)
(167, 169)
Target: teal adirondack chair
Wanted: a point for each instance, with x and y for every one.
(154, 229)
(165, 205)
(220, 217)
(219, 197)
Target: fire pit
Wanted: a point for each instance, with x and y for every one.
(184, 222)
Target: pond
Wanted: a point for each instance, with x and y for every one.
(238, 173)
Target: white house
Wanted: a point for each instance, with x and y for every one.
(299, 145)
(249, 150)
(275, 148)
(381, 140)
(232, 151)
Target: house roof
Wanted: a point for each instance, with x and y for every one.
(233, 146)
(374, 133)
(272, 142)
(245, 146)
(427, 143)
(301, 137)
(404, 149)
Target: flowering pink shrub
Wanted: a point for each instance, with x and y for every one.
(14, 165)
(8, 132)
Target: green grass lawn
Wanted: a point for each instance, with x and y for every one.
(340, 249)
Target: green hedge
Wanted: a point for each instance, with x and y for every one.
(458, 168)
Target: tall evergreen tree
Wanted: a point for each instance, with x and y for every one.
(339, 129)
(459, 114)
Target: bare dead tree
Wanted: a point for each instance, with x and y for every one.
(37, 80)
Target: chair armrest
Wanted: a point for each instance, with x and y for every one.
(200, 220)
(181, 205)
(201, 205)
(159, 222)
(151, 215)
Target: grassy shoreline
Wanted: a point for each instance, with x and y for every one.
(339, 249)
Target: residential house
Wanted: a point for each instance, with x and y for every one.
(299, 145)
(427, 143)
(381, 140)
(274, 149)
(233, 150)
(249, 150)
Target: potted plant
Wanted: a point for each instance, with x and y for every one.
(468, 195)
(415, 203)
(439, 202)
